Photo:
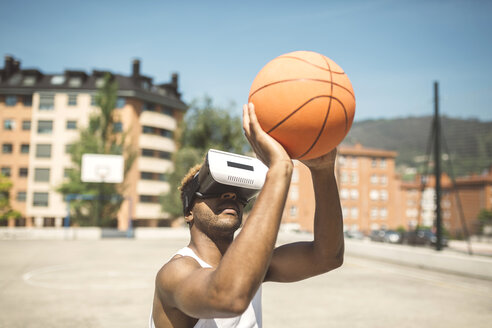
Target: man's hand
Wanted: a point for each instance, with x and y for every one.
(267, 149)
(326, 161)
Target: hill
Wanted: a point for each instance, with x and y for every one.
(467, 142)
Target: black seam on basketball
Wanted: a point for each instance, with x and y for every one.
(327, 113)
(303, 79)
(346, 123)
(308, 62)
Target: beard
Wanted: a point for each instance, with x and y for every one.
(218, 223)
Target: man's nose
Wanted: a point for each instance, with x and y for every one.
(228, 195)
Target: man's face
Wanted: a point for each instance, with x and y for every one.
(218, 215)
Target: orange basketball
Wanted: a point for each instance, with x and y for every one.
(305, 101)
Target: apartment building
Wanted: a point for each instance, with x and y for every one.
(367, 187)
(461, 202)
(41, 115)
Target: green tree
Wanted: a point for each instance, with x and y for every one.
(204, 126)
(484, 219)
(6, 211)
(99, 137)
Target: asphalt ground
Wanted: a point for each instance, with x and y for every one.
(109, 283)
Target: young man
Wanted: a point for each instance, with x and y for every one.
(216, 280)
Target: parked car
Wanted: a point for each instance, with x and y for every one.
(393, 237)
(423, 237)
(377, 235)
(386, 236)
(354, 234)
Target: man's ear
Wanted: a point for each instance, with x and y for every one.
(189, 218)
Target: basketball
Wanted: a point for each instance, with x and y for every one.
(305, 101)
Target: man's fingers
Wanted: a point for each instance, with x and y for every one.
(254, 124)
(246, 121)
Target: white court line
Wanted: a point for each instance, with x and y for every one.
(88, 277)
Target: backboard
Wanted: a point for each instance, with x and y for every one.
(102, 168)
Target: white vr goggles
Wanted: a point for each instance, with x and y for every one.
(225, 172)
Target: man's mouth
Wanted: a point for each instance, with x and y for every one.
(229, 208)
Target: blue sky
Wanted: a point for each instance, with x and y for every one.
(392, 51)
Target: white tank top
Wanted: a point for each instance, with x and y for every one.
(251, 318)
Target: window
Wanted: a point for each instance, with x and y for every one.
(41, 175)
(7, 148)
(46, 101)
(75, 82)
(165, 133)
(295, 175)
(383, 213)
(67, 172)
(167, 111)
(71, 125)
(294, 193)
(374, 212)
(23, 171)
(341, 160)
(10, 100)
(152, 176)
(344, 177)
(117, 127)
(8, 124)
(40, 199)
(99, 82)
(5, 171)
(374, 179)
(146, 175)
(374, 195)
(293, 211)
(148, 106)
(354, 212)
(93, 100)
(164, 154)
(354, 178)
(345, 212)
(354, 194)
(147, 152)
(374, 162)
(45, 127)
(384, 180)
(21, 196)
(412, 213)
(43, 150)
(149, 199)
(384, 194)
(382, 163)
(68, 148)
(26, 125)
(355, 162)
(72, 99)
(58, 79)
(120, 102)
(29, 81)
(156, 153)
(24, 148)
(27, 100)
(344, 193)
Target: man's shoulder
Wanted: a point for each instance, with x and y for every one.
(177, 268)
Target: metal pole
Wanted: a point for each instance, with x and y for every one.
(437, 166)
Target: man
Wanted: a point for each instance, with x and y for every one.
(216, 280)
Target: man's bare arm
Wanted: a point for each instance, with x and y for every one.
(297, 261)
(228, 289)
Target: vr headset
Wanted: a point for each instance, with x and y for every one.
(225, 172)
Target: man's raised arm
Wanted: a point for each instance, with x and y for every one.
(297, 261)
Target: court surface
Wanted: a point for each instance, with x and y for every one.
(109, 283)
